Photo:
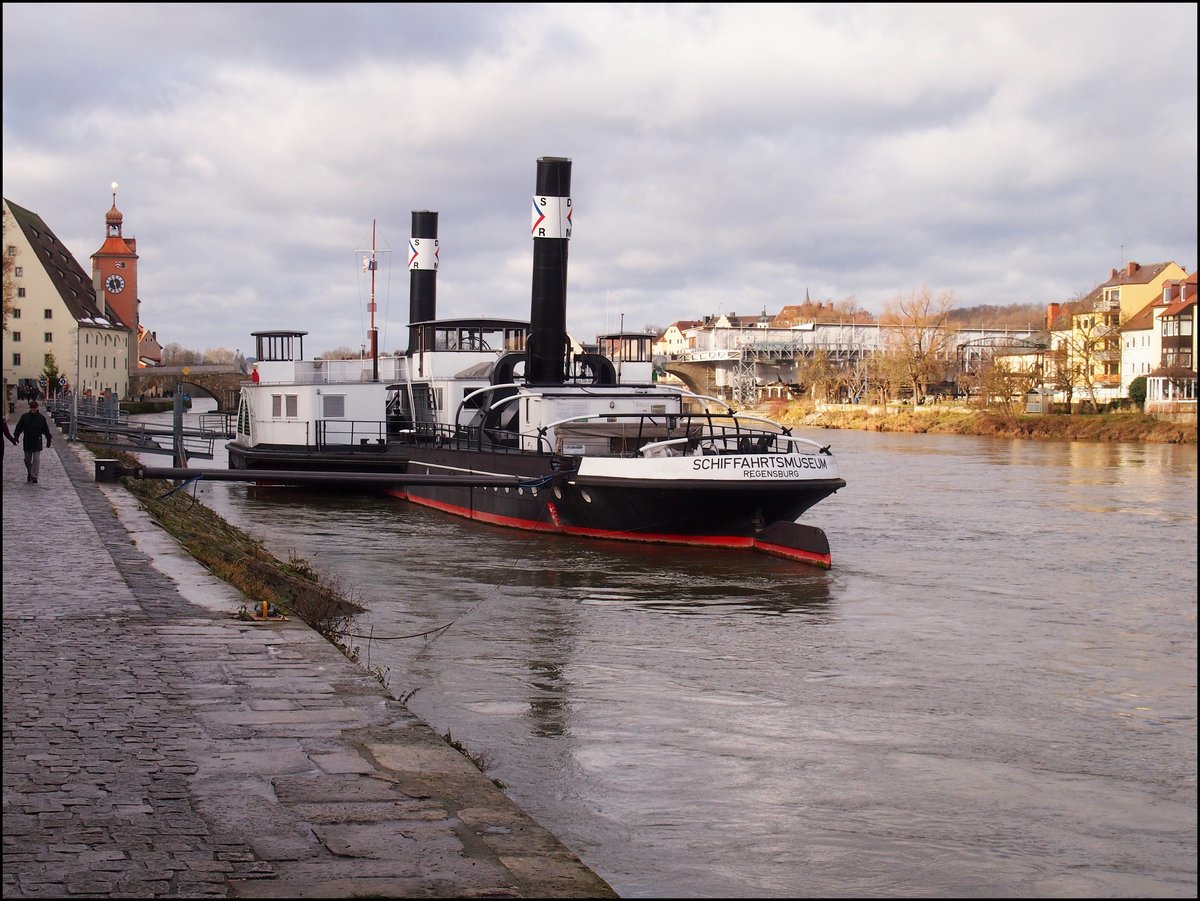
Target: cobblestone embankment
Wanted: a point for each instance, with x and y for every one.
(156, 746)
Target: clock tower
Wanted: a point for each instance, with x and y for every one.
(114, 273)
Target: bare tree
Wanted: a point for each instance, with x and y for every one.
(342, 353)
(1082, 352)
(918, 336)
(219, 355)
(1006, 385)
(856, 379)
(1060, 377)
(818, 375)
(175, 354)
(887, 373)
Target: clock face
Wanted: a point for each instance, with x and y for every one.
(114, 284)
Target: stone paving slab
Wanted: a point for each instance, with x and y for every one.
(154, 746)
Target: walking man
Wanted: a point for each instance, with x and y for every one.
(34, 426)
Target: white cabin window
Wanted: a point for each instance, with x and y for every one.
(333, 406)
(285, 405)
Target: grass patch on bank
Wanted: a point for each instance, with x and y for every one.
(292, 587)
(1122, 426)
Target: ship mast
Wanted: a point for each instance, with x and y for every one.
(370, 264)
(374, 331)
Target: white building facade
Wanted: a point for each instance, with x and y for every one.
(54, 318)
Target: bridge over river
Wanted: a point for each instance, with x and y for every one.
(221, 382)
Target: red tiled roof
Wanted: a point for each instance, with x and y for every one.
(1141, 275)
(1143, 319)
(1179, 306)
(114, 245)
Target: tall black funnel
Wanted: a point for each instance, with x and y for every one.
(423, 251)
(546, 348)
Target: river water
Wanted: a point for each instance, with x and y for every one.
(991, 694)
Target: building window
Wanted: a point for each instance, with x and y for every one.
(16, 314)
(293, 408)
(18, 271)
(48, 337)
(16, 359)
(12, 250)
(20, 292)
(47, 314)
(16, 336)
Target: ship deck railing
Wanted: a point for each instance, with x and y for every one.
(348, 433)
(621, 434)
(697, 433)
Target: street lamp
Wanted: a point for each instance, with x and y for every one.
(75, 388)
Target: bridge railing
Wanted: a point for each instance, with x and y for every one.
(219, 423)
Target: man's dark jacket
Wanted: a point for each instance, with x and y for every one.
(34, 426)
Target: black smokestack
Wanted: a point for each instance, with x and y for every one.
(546, 349)
(422, 272)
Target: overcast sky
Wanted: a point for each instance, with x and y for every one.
(726, 158)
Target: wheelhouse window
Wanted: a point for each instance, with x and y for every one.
(473, 336)
(627, 348)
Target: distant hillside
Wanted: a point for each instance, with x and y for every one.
(1014, 316)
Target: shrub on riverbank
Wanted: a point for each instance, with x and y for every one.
(1123, 426)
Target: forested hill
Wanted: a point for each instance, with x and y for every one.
(1014, 315)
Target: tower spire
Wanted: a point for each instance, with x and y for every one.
(114, 218)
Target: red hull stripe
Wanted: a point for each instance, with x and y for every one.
(825, 561)
(734, 541)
